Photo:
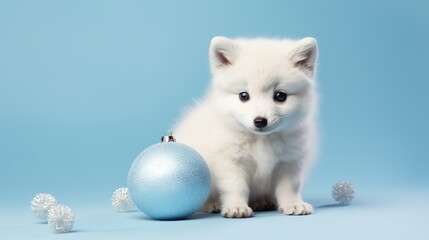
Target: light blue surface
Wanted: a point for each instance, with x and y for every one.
(382, 215)
(87, 85)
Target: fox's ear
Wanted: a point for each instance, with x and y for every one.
(223, 52)
(304, 55)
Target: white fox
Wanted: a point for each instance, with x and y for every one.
(256, 126)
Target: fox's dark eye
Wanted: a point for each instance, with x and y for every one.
(280, 96)
(244, 96)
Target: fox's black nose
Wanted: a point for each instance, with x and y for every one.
(260, 122)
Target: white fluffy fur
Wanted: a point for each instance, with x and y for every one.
(253, 168)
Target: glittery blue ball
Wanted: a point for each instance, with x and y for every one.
(169, 181)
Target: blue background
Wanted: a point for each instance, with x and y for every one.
(86, 85)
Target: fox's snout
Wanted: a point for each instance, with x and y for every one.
(260, 122)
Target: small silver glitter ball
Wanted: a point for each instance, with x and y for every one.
(121, 200)
(41, 204)
(343, 192)
(60, 219)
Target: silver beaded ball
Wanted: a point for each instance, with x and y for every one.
(60, 219)
(121, 200)
(41, 204)
(343, 192)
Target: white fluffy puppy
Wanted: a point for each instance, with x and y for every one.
(256, 125)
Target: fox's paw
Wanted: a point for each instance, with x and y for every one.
(296, 208)
(237, 212)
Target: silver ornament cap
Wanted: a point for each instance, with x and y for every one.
(168, 137)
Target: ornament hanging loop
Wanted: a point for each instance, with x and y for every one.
(168, 137)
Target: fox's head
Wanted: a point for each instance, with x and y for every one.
(264, 85)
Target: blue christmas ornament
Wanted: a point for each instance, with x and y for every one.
(169, 180)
